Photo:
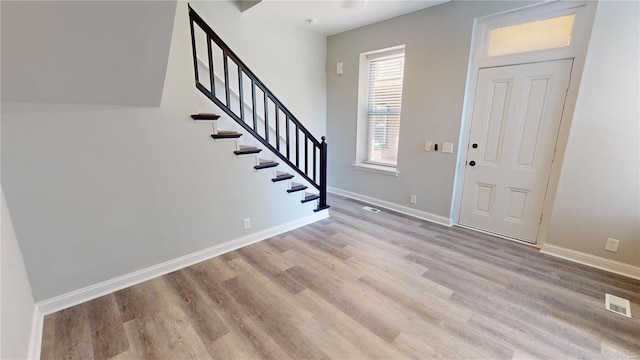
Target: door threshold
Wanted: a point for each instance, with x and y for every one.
(533, 245)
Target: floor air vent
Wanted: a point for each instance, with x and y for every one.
(617, 305)
(370, 209)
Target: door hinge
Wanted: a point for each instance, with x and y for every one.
(540, 222)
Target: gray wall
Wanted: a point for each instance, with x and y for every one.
(437, 42)
(599, 192)
(17, 300)
(97, 192)
(86, 52)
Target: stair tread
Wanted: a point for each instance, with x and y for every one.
(320, 208)
(245, 150)
(264, 164)
(309, 197)
(224, 134)
(281, 176)
(296, 187)
(205, 116)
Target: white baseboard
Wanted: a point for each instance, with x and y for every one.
(106, 287)
(35, 340)
(391, 206)
(592, 260)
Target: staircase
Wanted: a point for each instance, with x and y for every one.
(301, 159)
(261, 164)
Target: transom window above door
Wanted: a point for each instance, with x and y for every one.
(536, 35)
(554, 31)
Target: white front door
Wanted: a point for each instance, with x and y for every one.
(514, 127)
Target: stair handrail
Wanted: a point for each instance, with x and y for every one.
(220, 80)
(319, 181)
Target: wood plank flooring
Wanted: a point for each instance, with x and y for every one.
(360, 286)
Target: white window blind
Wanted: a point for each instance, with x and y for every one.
(384, 100)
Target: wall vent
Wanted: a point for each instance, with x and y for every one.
(370, 209)
(617, 305)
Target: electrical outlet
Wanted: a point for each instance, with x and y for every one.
(427, 146)
(247, 223)
(612, 245)
(414, 199)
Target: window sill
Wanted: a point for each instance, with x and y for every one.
(386, 170)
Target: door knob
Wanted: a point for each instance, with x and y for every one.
(475, 146)
(472, 163)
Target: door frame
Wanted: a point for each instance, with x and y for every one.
(585, 13)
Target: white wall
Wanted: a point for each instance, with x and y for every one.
(101, 191)
(86, 52)
(599, 192)
(17, 300)
(276, 53)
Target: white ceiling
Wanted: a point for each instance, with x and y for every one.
(333, 16)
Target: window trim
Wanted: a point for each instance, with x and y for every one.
(379, 169)
(362, 163)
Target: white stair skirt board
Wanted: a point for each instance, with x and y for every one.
(597, 262)
(106, 287)
(391, 206)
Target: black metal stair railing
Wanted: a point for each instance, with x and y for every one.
(297, 147)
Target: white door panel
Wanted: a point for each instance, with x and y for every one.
(515, 122)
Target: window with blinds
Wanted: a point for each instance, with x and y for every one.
(384, 100)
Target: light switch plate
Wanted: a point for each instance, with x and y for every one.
(447, 148)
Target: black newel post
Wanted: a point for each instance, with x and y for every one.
(323, 176)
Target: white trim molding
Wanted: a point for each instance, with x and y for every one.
(35, 340)
(91, 292)
(386, 170)
(522, 242)
(597, 262)
(423, 215)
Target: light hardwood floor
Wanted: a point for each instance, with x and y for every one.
(360, 286)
